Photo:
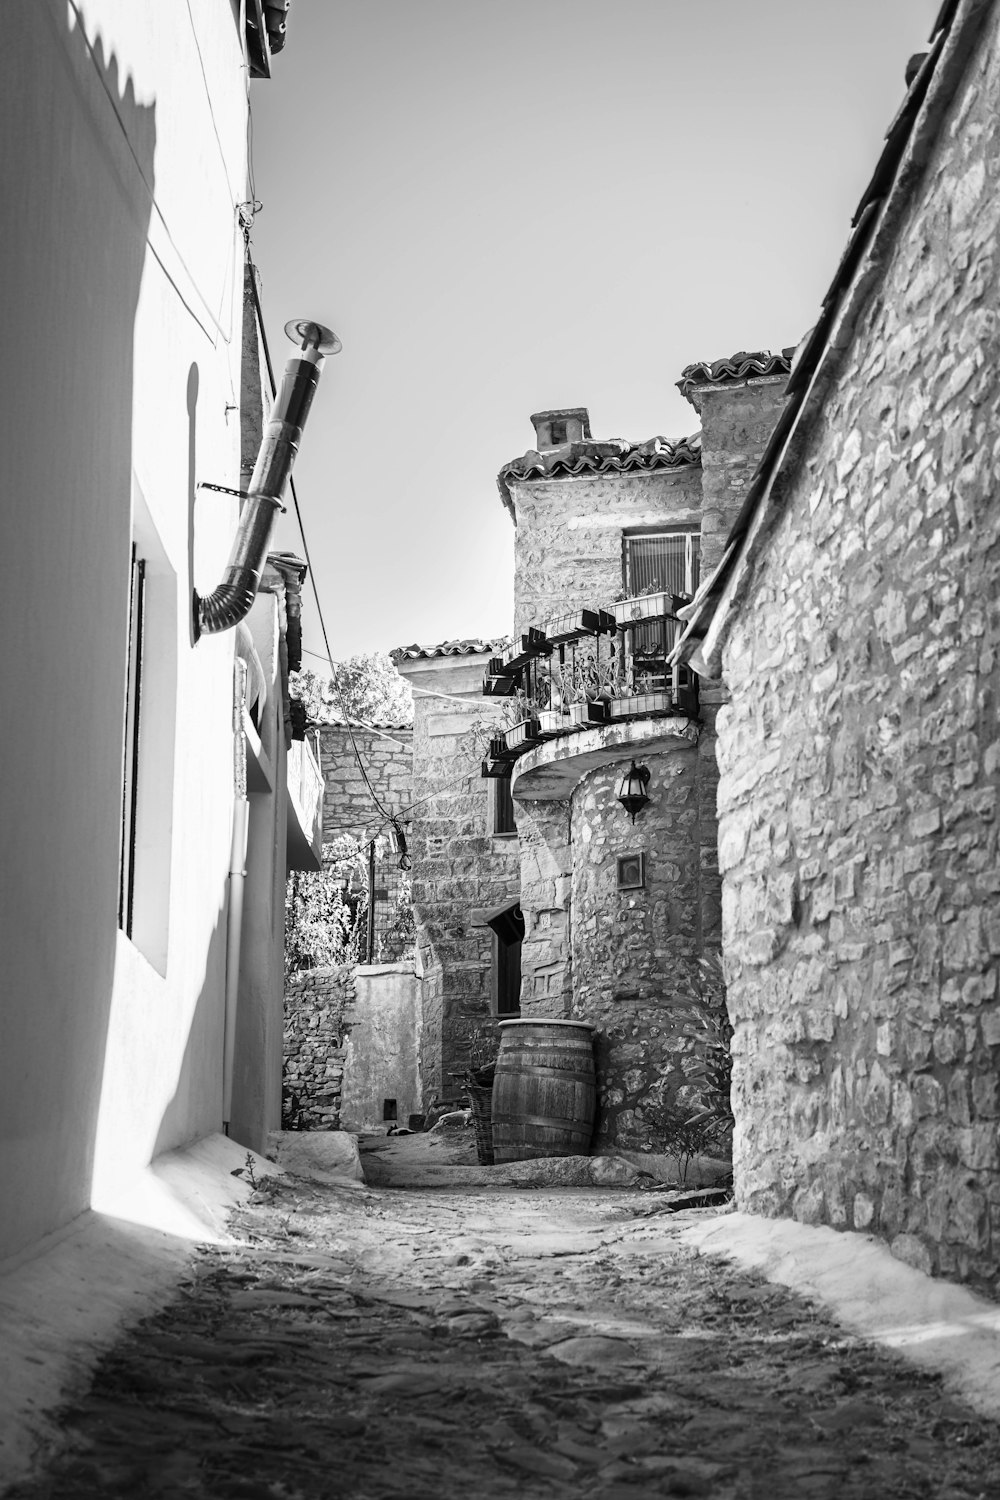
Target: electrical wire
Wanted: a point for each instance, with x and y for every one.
(109, 93)
(305, 546)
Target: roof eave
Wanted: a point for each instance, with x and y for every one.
(876, 223)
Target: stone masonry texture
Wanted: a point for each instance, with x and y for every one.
(319, 1003)
(568, 546)
(348, 807)
(628, 960)
(319, 1011)
(460, 868)
(860, 757)
(635, 952)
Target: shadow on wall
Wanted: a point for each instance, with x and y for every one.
(77, 210)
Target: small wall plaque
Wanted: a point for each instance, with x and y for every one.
(631, 872)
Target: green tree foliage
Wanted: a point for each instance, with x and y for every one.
(371, 690)
(326, 913)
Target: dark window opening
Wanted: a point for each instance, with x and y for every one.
(130, 777)
(503, 806)
(558, 433)
(507, 977)
(631, 872)
(388, 1109)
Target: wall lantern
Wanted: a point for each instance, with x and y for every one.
(632, 789)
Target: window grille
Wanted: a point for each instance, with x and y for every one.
(667, 561)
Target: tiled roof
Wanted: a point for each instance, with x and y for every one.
(607, 456)
(446, 648)
(909, 143)
(741, 366)
(377, 724)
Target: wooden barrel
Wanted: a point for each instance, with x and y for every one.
(544, 1092)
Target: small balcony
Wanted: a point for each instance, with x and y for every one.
(584, 669)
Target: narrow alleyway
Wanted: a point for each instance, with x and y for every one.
(364, 1343)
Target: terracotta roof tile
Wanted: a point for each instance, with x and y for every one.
(603, 456)
(446, 648)
(743, 365)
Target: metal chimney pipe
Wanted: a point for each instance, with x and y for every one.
(227, 605)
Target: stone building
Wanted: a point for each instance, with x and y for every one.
(350, 1031)
(387, 753)
(536, 893)
(465, 862)
(617, 913)
(854, 620)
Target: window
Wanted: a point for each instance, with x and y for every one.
(506, 977)
(503, 807)
(133, 710)
(667, 561)
(558, 433)
(149, 638)
(631, 872)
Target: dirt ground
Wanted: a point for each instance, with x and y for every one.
(368, 1343)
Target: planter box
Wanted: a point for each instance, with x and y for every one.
(588, 713)
(521, 737)
(552, 721)
(576, 625)
(642, 607)
(637, 704)
(662, 606)
(497, 686)
(533, 645)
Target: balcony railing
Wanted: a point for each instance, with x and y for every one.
(584, 668)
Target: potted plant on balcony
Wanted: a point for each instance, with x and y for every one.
(651, 603)
(644, 699)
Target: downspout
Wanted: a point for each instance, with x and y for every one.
(230, 602)
(234, 940)
(237, 879)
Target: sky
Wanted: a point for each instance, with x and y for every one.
(504, 207)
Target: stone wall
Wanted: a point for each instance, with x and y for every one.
(568, 551)
(319, 1013)
(860, 758)
(460, 869)
(546, 901)
(737, 418)
(635, 952)
(348, 807)
(382, 1061)
(620, 960)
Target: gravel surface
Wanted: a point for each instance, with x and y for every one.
(364, 1343)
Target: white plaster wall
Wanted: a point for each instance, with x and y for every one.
(121, 268)
(260, 1022)
(382, 1050)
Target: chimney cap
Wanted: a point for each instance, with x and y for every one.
(579, 412)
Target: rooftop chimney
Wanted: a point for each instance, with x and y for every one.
(554, 429)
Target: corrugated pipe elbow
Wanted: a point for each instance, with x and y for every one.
(232, 601)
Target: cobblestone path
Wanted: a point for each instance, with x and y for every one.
(362, 1344)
